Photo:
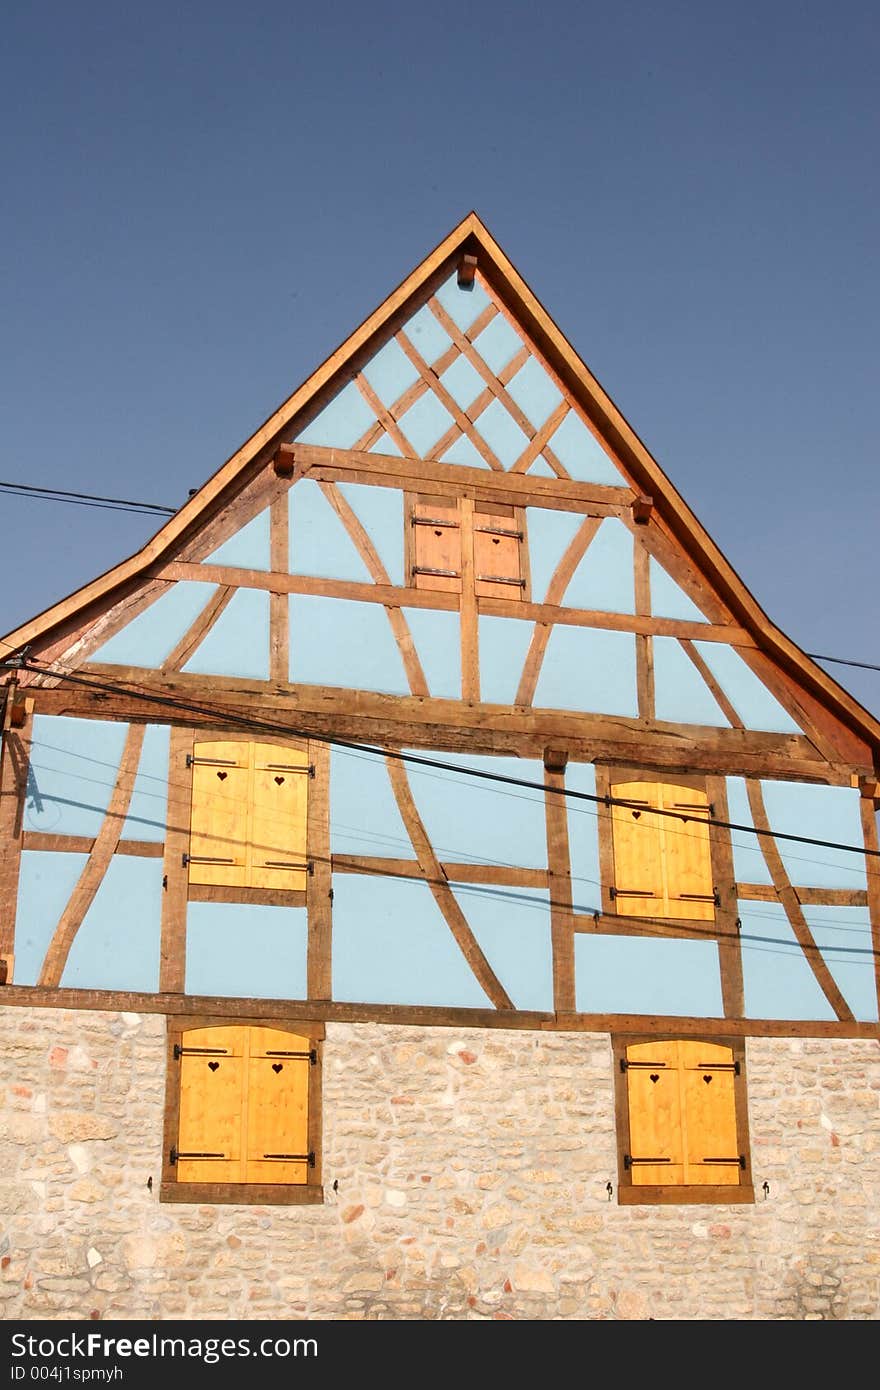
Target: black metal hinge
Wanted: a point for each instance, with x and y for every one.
(308, 1158)
(175, 1154)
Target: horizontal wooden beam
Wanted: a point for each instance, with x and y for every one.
(84, 844)
(425, 1016)
(457, 872)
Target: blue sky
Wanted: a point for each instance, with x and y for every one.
(201, 201)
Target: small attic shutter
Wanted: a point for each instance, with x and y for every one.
(437, 545)
(497, 561)
(220, 795)
(277, 833)
(638, 851)
(688, 857)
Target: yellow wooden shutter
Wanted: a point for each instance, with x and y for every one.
(662, 865)
(688, 860)
(276, 855)
(497, 565)
(211, 1081)
(655, 1118)
(220, 797)
(638, 853)
(682, 1107)
(278, 1107)
(707, 1073)
(437, 546)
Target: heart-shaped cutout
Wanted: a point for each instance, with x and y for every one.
(496, 540)
(222, 776)
(277, 1066)
(707, 1079)
(278, 781)
(636, 815)
(654, 1076)
(212, 1066)
(438, 533)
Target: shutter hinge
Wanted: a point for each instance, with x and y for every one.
(175, 1154)
(308, 1158)
(628, 1160)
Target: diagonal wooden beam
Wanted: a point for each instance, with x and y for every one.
(539, 440)
(98, 861)
(370, 556)
(793, 910)
(199, 629)
(464, 424)
(559, 582)
(409, 397)
(438, 883)
(717, 693)
(385, 418)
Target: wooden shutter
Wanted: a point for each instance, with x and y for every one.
(638, 851)
(682, 1109)
(497, 553)
(278, 1107)
(220, 796)
(707, 1078)
(655, 1114)
(276, 850)
(662, 865)
(436, 545)
(211, 1078)
(244, 1098)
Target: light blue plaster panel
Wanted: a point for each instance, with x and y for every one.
(534, 392)
(248, 950)
(428, 335)
(319, 543)
(583, 839)
(73, 767)
(342, 642)
(498, 343)
(149, 801)
(425, 423)
(463, 382)
(550, 533)
(542, 467)
(117, 945)
(248, 549)
(680, 693)
(463, 452)
(756, 706)
(45, 884)
(364, 818)
(472, 819)
(342, 422)
(641, 975)
(151, 636)
(582, 455)
(777, 980)
(238, 643)
(390, 373)
(843, 935)
(380, 512)
(391, 945)
(749, 864)
(512, 927)
(668, 599)
(589, 669)
(504, 643)
(818, 813)
(501, 432)
(604, 578)
(463, 305)
(385, 445)
(437, 638)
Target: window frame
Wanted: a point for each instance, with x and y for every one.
(512, 519)
(243, 1194)
(680, 1194)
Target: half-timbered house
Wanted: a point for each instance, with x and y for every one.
(432, 886)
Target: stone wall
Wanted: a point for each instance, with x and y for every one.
(465, 1177)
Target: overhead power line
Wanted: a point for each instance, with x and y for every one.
(239, 720)
(86, 499)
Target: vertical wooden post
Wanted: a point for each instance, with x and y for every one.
(172, 965)
(559, 881)
(644, 642)
(872, 870)
(14, 761)
(726, 912)
(279, 603)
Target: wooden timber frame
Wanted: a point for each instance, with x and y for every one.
(839, 744)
